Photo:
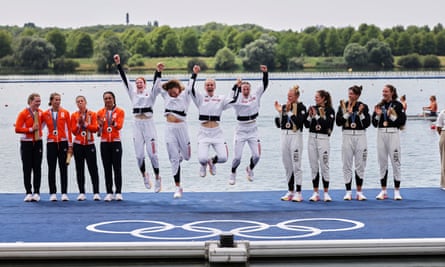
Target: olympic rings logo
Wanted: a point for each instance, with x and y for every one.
(157, 230)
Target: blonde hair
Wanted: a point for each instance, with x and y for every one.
(296, 89)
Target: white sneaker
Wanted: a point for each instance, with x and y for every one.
(298, 197)
(119, 197)
(382, 195)
(397, 195)
(65, 197)
(96, 197)
(28, 198)
(36, 198)
(232, 179)
(359, 196)
(348, 195)
(147, 181)
(178, 192)
(212, 167)
(53, 197)
(202, 171)
(315, 197)
(158, 185)
(327, 197)
(250, 175)
(108, 197)
(288, 196)
(81, 197)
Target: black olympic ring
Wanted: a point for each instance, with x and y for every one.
(207, 232)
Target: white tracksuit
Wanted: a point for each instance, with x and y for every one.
(354, 145)
(144, 130)
(388, 140)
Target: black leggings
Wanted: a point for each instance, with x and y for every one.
(111, 153)
(56, 152)
(31, 154)
(86, 153)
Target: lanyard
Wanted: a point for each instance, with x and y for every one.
(54, 118)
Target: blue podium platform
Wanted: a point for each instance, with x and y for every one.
(146, 224)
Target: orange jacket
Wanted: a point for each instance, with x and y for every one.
(24, 123)
(84, 135)
(62, 129)
(111, 125)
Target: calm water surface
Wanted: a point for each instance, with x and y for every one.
(420, 154)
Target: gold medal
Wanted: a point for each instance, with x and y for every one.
(318, 127)
(353, 125)
(385, 124)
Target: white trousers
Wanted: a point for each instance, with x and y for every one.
(246, 133)
(178, 144)
(318, 152)
(145, 136)
(291, 154)
(388, 145)
(211, 137)
(354, 151)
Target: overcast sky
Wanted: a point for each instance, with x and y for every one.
(271, 14)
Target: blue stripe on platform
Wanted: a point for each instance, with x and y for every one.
(201, 216)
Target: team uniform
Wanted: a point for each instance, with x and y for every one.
(176, 134)
(59, 139)
(246, 110)
(144, 130)
(320, 128)
(84, 150)
(388, 142)
(440, 123)
(210, 109)
(291, 124)
(354, 145)
(31, 151)
(111, 149)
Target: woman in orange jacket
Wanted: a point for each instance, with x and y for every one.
(29, 125)
(83, 126)
(59, 144)
(111, 119)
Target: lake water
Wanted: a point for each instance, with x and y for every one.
(420, 154)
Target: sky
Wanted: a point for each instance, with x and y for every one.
(275, 15)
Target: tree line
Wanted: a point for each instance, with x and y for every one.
(56, 50)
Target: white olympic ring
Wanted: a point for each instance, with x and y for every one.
(208, 232)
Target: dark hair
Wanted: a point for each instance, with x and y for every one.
(112, 95)
(357, 90)
(51, 97)
(172, 84)
(393, 91)
(327, 97)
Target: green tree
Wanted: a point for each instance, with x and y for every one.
(355, 55)
(189, 43)
(428, 44)
(107, 46)
(440, 41)
(333, 44)
(261, 51)
(156, 39)
(310, 46)
(404, 45)
(34, 53)
(58, 39)
(411, 61)
(431, 61)
(170, 45)
(5, 43)
(210, 43)
(244, 38)
(379, 54)
(225, 59)
(79, 45)
(286, 49)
